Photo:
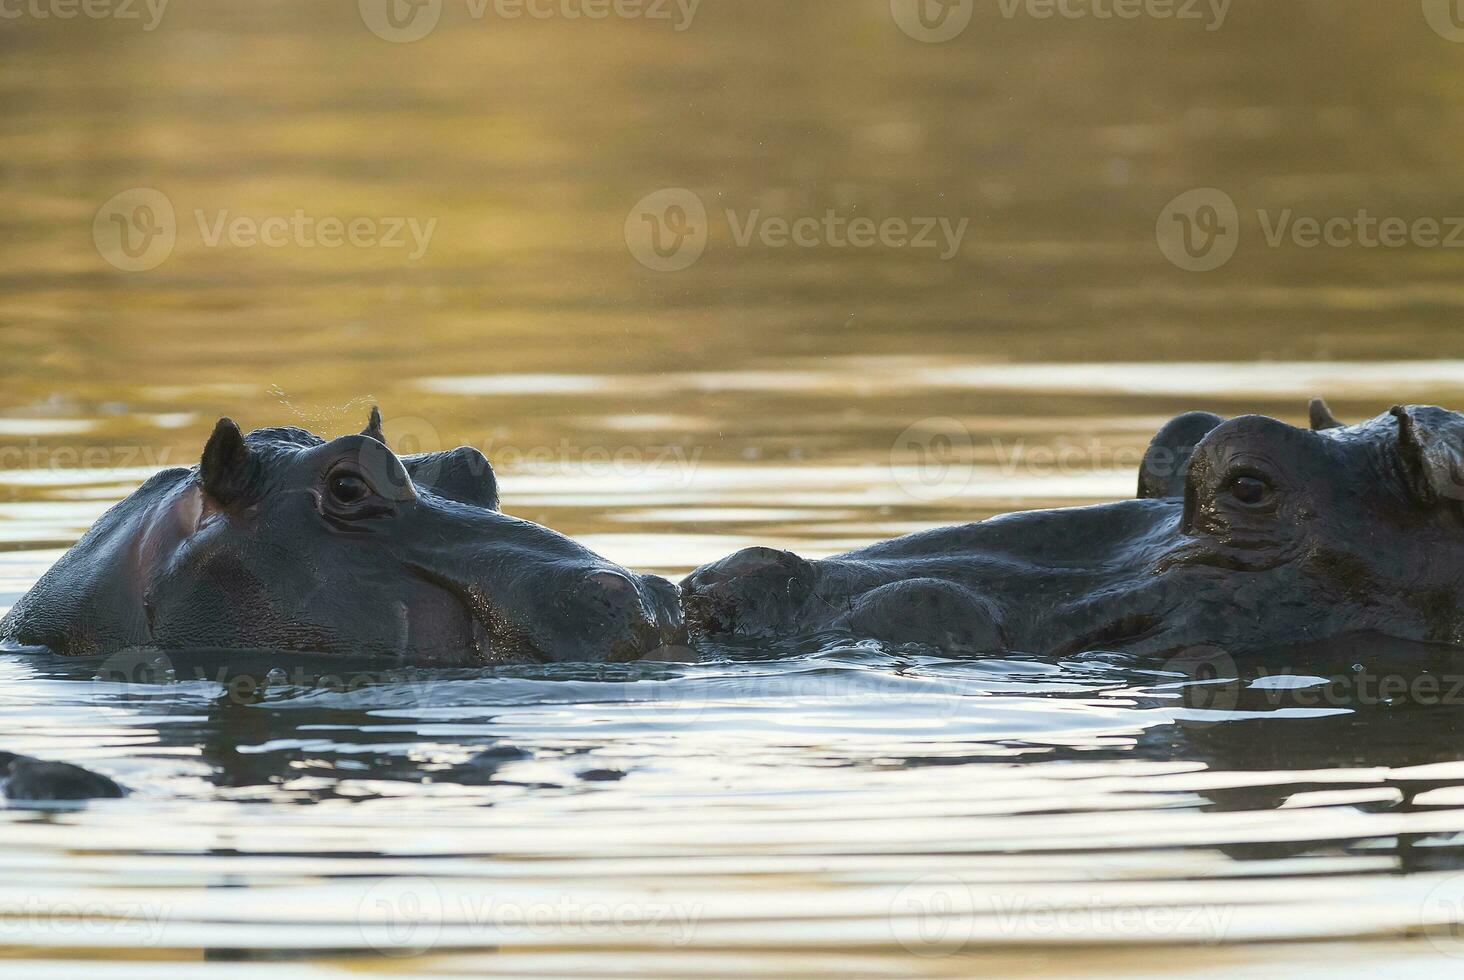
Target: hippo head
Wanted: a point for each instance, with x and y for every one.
(1359, 527)
(281, 539)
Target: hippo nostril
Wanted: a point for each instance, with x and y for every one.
(614, 594)
(613, 597)
(612, 582)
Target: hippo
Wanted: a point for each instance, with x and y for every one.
(281, 540)
(1245, 535)
(24, 779)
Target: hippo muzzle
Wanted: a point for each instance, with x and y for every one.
(545, 598)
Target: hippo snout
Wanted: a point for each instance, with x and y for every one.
(610, 614)
(755, 592)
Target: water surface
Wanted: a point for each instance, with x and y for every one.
(848, 810)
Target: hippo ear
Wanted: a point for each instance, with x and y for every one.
(1322, 417)
(373, 426)
(229, 472)
(1431, 444)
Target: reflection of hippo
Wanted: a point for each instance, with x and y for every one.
(1248, 534)
(282, 540)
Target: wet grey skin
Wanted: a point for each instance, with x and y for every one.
(1248, 534)
(281, 540)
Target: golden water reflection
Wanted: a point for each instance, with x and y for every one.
(814, 811)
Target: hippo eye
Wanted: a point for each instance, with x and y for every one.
(348, 488)
(348, 496)
(1248, 489)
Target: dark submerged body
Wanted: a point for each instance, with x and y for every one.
(1248, 535)
(27, 780)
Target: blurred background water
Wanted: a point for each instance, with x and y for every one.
(556, 239)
